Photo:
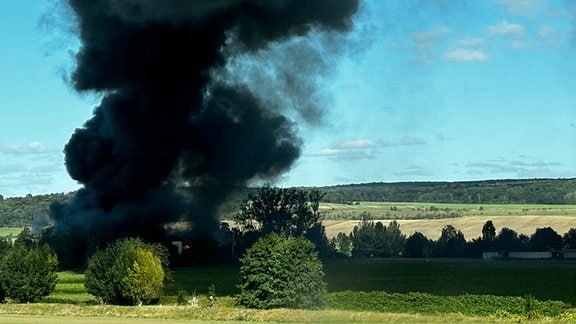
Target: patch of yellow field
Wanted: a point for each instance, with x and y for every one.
(471, 226)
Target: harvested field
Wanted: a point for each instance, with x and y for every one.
(471, 226)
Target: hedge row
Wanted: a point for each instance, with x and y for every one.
(414, 302)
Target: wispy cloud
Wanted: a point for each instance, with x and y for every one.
(521, 7)
(410, 140)
(427, 43)
(513, 34)
(30, 148)
(506, 29)
(363, 148)
(551, 37)
(358, 144)
(519, 168)
(466, 55)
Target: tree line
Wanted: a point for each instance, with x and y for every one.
(375, 240)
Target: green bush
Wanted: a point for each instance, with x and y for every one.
(127, 272)
(28, 273)
(474, 305)
(281, 271)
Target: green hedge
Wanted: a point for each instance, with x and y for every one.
(475, 305)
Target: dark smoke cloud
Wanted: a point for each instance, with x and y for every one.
(172, 113)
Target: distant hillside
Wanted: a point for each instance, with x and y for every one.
(531, 191)
(22, 211)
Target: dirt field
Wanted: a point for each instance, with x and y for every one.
(471, 226)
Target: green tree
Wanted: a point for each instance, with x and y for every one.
(508, 239)
(488, 231)
(286, 211)
(570, 198)
(451, 243)
(145, 277)
(545, 238)
(28, 273)
(341, 244)
(281, 271)
(280, 210)
(127, 272)
(395, 240)
(5, 246)
(418, 246)
(25, 238)
(363, 238)
(569, 238)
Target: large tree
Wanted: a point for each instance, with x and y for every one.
(569, 238)
(451, 242)
(545, 238)
(281, 271)
(488, 231)
(418, 246)
(28, 271)
(287, 211)
(127, 272)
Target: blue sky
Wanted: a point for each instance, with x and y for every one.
(433, 90)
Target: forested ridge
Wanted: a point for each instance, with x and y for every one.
(529, 191)
(21, 211)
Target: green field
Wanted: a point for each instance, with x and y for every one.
(425, 287)
(411, 210)
(7, 231)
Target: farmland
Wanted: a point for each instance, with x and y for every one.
(429, 218)
(412, 291)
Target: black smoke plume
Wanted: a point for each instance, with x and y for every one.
(165, 120)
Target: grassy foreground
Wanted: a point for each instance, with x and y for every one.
(377, 290)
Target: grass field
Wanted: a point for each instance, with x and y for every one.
(7, 231)
(545, 280)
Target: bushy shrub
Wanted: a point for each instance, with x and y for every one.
(281, 271)
(28, 273)
(127, 272)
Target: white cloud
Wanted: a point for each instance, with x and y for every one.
(466, 55)
(363, 148)
(357, 143)
(30, 148)
(356, 148)
(506, 29)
